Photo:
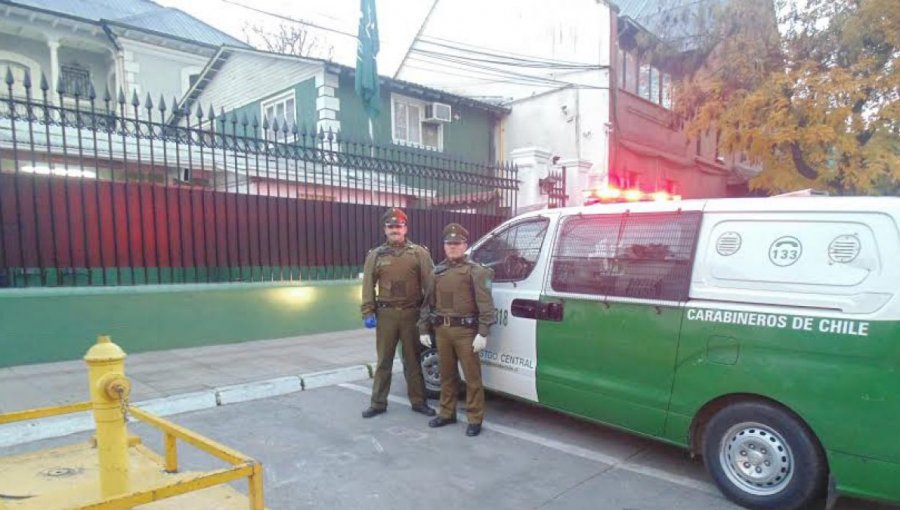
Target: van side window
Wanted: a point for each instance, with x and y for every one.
(640, 255)
(513, 252)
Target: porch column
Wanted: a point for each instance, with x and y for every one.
(577, 179)
(533, 165)
(53, 45)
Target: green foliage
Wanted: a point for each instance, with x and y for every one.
(811, 95)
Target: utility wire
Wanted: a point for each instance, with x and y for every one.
(521, 78)
(481, 76)
(510, 73)
(457, 45)
(475, 81)
(292, 20)
(441, 67)
(536, 65)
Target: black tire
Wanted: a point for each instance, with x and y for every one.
(428, 360)
(763, 457)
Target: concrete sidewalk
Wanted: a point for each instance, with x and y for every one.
(181, 380)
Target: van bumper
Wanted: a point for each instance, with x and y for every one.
(863, 477)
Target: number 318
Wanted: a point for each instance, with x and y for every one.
(501, 317)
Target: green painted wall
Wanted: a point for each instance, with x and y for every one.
(249, 110)
(54, 324)
(467, 138)
(305, 95)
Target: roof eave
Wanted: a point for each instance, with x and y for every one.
(422, 90)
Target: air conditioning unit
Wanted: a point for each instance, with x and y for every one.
(437, 112)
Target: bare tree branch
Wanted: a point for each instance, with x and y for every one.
(286, 38)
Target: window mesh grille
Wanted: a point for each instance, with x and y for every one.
(642, 255)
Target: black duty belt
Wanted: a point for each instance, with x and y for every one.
(383, 304)
(467, 322)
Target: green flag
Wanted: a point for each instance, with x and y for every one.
(366, 66)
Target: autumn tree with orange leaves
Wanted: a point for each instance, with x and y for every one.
(809, 90)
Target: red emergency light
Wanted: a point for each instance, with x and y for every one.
(610, 194)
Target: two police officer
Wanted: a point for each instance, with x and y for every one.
(400, 270)
(459, 307)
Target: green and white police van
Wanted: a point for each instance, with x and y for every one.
(763, 334)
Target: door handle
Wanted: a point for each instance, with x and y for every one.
(524, 308)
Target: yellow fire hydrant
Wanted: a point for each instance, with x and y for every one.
(109, 396)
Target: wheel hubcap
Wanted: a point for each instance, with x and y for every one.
(431, 371)
(756, 459)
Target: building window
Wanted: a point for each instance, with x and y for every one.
(18, 73)
(644, 81)
(277, 110)
(665, 85)
(76, 79)
(18, 64)
(408, 124)
(630, 73)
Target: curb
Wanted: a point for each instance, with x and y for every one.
(27, 431)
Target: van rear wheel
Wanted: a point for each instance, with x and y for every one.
(763, 458)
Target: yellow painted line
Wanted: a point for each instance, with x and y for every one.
(43, 412)
(182, 486)
(207, 445)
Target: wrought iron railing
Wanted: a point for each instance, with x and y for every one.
(106, 191)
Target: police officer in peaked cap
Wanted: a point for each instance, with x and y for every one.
(460, 309)
(395, 275)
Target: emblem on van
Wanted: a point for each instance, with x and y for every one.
(785, 251)
(844, 249)
(728, 244)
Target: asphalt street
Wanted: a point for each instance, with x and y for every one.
(318, 453)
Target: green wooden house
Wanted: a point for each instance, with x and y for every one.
(319, 95)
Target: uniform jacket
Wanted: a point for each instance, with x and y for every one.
(400, 274)
(459, 289)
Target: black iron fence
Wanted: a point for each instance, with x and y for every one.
(108, 191)
(555, 187)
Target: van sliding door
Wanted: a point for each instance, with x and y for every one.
(610, 315)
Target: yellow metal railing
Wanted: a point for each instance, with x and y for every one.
(44, 412)
(109, 392)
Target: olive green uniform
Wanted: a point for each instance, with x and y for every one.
(459, 306)
(400, 274)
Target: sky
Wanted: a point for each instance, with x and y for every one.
(398, 22)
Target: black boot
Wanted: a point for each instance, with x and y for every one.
(440, 421)
(473, 429)
(372, 411)
(423, 409)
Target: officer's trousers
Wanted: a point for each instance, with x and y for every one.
(454, 345)
(397, 325)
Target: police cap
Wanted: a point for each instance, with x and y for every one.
(394, 216)
(455, 233)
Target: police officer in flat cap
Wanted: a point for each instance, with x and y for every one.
(400, 271)
(459, 308)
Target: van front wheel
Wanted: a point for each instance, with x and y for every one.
(763, 458)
